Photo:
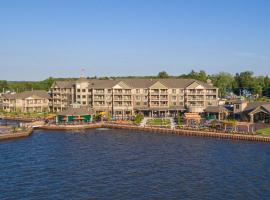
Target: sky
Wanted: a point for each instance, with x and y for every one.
(39, 39)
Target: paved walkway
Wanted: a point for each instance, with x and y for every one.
(173, 124)
(143, 122)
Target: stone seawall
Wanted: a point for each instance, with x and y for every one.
(220, 135)
(7, 136)
(22, 119)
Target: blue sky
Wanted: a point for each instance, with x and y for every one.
(46, 38)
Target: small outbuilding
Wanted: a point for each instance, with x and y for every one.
(216, 112)
(75, 114)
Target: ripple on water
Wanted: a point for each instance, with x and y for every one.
(116, 164)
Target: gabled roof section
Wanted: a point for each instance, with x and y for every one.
(63, 84)
(253, 105)
(35, 93)
(260, 108)
(158, 85)
(139, 82)
(195, 85)
(121, 85)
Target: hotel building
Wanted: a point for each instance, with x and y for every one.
(124, 97)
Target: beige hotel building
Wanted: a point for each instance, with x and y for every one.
(122, 98)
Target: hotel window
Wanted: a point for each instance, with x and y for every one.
(145, 103)
(109, 90)
(137, 91)
(89, 90)
(237, 106)
(174, 91)
(138, 103)
(83, 90)
(78, 90)
(83, 96)
(174, 103)
(78, 96)
(145, 91)
(173, 98)
(138, 98)
(84, 102)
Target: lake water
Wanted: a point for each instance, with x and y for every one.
(114, 164)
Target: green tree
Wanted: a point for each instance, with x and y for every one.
(163, 74)
(224, 81)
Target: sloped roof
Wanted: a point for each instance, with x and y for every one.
(135, 83)
(71, 111)
(253, 105)
(64, 84)
(170, 82)
(215, 109)
(26, 94)
(95, 83)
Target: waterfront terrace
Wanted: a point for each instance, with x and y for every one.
(122, 98)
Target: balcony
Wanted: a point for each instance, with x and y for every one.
(98, 92)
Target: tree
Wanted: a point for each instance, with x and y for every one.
(224, 81)
(163, 74)
(3, 85)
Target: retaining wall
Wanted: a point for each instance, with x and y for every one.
(7, 136)
(220, 135)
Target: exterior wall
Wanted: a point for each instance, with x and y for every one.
(26, 105)
(123, 101)
(239, 107)
(61, 98)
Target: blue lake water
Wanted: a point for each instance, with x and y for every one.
(114, 164)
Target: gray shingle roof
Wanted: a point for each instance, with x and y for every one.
(253, 105)
(216, 109)
(64, 84)
(26, 94)
(83, 110)
(135, 83)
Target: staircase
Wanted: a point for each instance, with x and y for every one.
(173, 124)
(143, 122)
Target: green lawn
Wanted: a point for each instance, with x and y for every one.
(265, 131)
(158, 122)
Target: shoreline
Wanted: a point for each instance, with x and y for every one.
(184, 132)
(22, 119)
(11, 135)
(199, 133)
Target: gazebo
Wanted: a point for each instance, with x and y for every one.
(80, 114)
(192, 117)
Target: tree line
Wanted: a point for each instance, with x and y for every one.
(244, 83)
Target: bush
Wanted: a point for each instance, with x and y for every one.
(138, 118)
(179, 120)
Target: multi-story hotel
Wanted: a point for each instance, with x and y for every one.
(124, 97)
(28, 101)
